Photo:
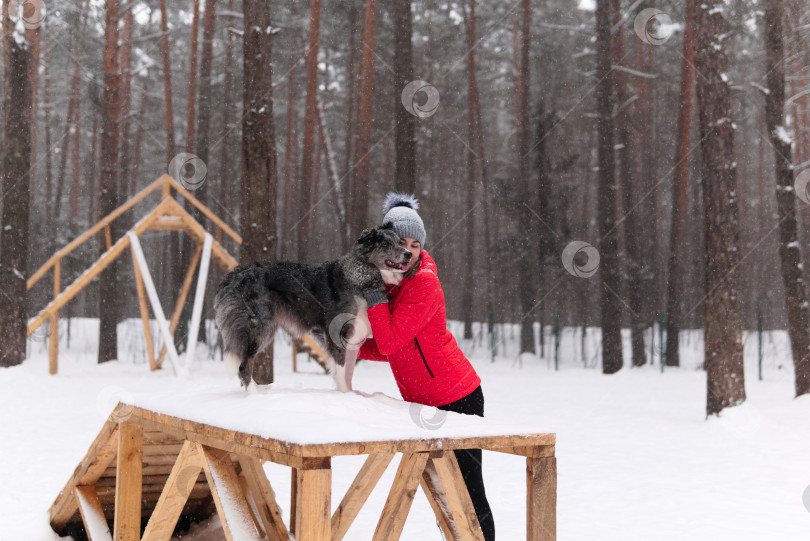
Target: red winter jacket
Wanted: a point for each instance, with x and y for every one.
(410, 333)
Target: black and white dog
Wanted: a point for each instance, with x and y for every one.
(325, 301)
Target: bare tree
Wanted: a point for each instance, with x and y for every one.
(609, 265)
(789, 253)
(724, 348)
(258, 216)
(15, 195)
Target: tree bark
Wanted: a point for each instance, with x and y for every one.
(291, 150)
(17, 161)
(723, 342)
(404, 142)
(305, 185)
(526, 200)
(362, 148)
(628, 166)
(609, 265)
(110, 162)
(167, 80)
(789, 254)
(680, 194)
(258, 216)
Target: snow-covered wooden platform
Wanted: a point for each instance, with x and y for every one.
(190, 453)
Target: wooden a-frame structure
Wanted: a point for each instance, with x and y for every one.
(168, 215)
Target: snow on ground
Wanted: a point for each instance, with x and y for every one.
(637, 458)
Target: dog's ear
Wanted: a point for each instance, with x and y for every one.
(367, 239)
(387, 225)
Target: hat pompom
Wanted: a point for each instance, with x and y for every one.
(394, 199)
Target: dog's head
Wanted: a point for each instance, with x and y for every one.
(380, 247)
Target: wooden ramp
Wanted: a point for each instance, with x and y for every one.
(146, 471)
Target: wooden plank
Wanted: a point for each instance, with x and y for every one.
(359, 491)
(101, 453)
(231, 503)
(173, 208)
(147, 331)
(253, 445)
(128, 487)
(53, 344)
(534, 451)
(87, 276)
(254, 512)
(175, 494)
(264, 498)
(157, 309)
(445, 468)
(313, 505)
(541, 499)
(293, 496)
(181, 299)
(438, 502)
(205, 210)
(95, 523)
(92, 231)
(199, 296)
(400, 498)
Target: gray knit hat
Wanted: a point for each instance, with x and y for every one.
(400, 209)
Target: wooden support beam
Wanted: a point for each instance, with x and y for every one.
(358, 493)
(313, 508)
(95, 523)
(435, 495)
(232, 506)
(264, 498)
(199, 296)
(144, 308)
(181, 300)
(399, 501)
(541, 499)
(92, 231)
(205, 210)
(53, 344)
(293, 496)
(128, 485)
(107, 236)
(175, 494)
(444, 467)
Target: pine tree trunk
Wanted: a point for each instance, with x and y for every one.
(290, 151)
(15, 186)
(628, 140)
(405, 122)
(110, 162)
(789, 253)
(527, 202)
(609, 265)
(306, 183)
(723, 342)
(258, 216)
(351, 125)
(358, 200)
(167, 80)
(680, 195)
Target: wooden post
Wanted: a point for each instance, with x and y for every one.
(443, 467)
(541, 499)
(231, 503)
(128, 482)
(173, 498)
(53, 338)
(295, 354)
(313, 508)
(147, 331)
(264, 498)
(107, 236)
(358, 493)
(399, 501)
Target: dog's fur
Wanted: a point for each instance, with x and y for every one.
(325, 301)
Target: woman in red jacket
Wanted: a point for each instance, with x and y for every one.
(409, 328)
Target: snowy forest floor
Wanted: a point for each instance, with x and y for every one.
(637, 458)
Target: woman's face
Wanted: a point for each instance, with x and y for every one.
(414, 247)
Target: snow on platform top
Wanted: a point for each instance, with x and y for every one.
(317, 416)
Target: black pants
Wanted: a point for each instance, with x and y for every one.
(469, 462)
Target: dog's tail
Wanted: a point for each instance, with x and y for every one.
(233, 321)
